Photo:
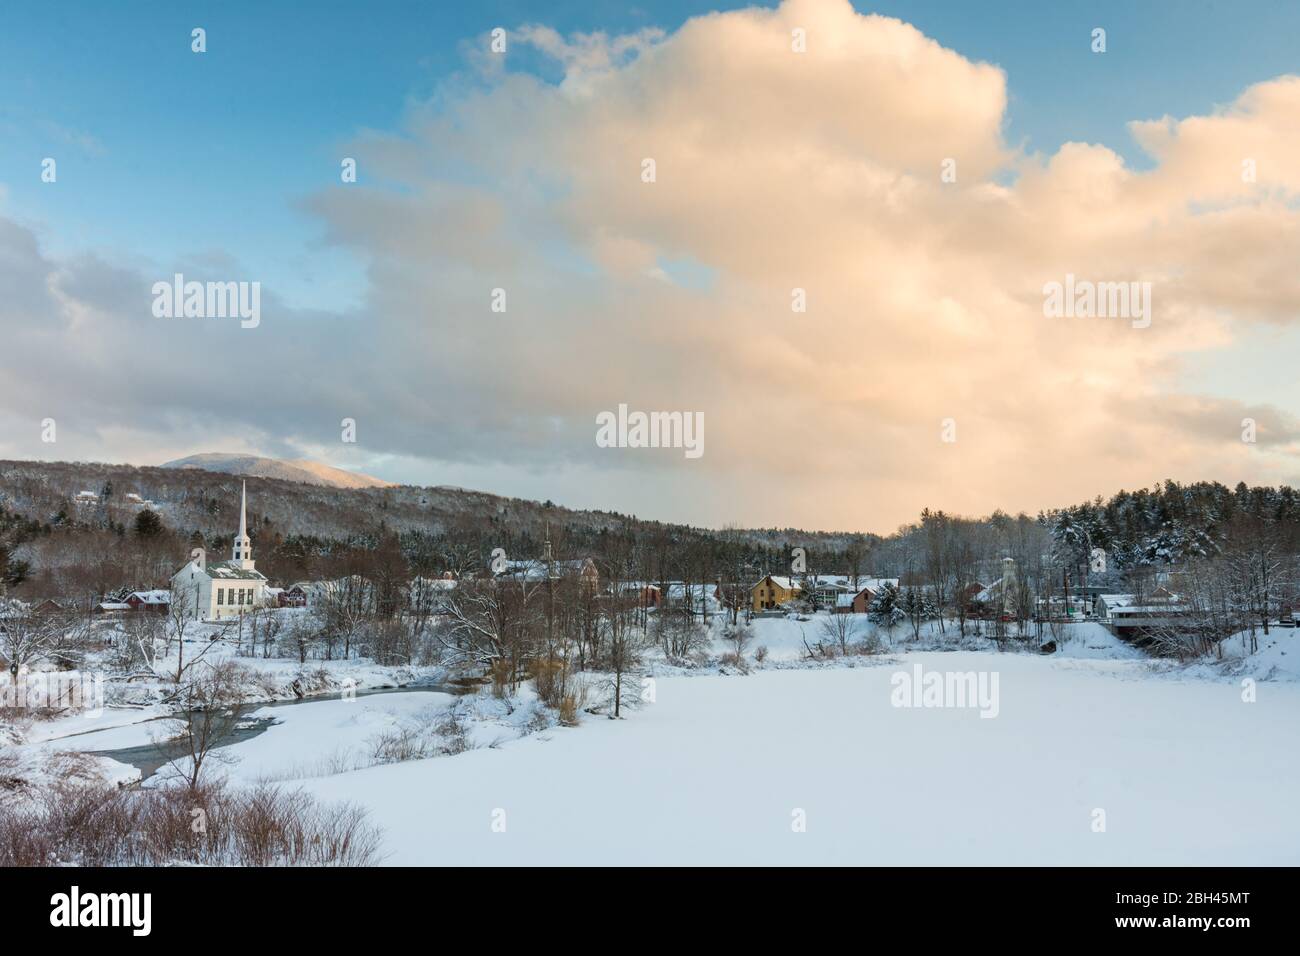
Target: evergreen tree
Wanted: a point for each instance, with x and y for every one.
(148, 524)
(885, 609)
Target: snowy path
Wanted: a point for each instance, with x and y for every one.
(1185, 771)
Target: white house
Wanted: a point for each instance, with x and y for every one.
(225, 589)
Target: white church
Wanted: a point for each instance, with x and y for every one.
(227, 588)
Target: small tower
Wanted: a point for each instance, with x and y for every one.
(243, 551)
(548, 557)
(1010, 588)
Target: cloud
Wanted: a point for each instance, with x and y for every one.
(775, 171)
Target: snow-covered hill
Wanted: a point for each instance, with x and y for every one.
(290, 469)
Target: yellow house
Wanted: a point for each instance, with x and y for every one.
(773, 591)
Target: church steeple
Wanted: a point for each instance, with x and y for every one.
(243, 551)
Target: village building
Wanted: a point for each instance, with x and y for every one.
(293, 596)
(859, 601)
(773, 591)
(157, 601)
(826, 591)
(540, 569)
(643, 595)
(225, 589)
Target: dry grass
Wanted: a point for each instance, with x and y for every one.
(211, 825)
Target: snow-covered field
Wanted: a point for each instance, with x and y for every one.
(1096, 755)
(718, 769)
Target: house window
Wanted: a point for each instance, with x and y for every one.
(221, 595)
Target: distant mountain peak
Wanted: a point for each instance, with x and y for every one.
(292, 469)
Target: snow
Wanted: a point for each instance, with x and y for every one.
(312, 737)
(27, 771)
(1278, 657)
(782, 636)
(131, 715)
(154, 597)
(713, 771)
(73, 725)
(1187, 771)
(1091, 640)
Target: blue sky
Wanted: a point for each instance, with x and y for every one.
(164, 154)
(225, 165)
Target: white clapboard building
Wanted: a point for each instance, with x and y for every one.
(227, 588)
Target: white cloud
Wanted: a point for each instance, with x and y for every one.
(775, 170)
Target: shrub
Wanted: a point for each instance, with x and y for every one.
(210, 825)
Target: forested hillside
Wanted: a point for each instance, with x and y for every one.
(58, 545)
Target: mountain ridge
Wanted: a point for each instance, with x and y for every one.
(302, 470)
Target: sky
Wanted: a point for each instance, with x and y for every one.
(921, 171)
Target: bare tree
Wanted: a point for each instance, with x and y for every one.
(739, 637)
(494, 625)
(27, 638)
(300, 638)
(624, 646)
(341, 610)
(839, 631)
(135, 648)
(1209, 610)
(180, 614)
(676, 634)
(211, 705)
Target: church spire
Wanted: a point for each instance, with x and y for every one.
(243, 551)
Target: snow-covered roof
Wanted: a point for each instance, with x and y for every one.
(1147, 610)
(433, 584)
(229, 571)
(152, 597)
(875, 584)
(787, 583)
(678, 588)
(824, 585)
(534, 569)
